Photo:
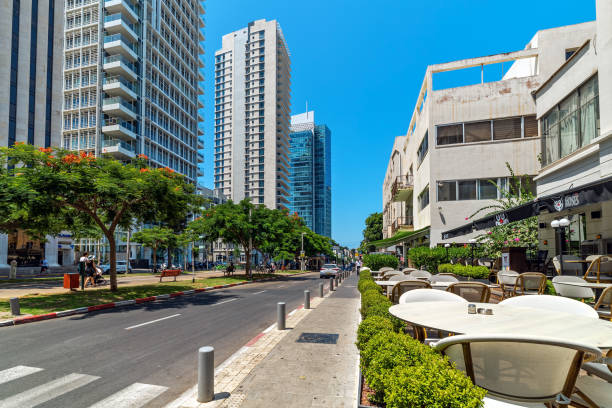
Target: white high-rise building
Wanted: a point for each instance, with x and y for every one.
(252, 115)
(132, 80)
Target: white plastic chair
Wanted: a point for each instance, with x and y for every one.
(518, 368)
(507, 280)
(428, 295)
(385, 269)
(419, 274)
(397, 278)
(598, 392)
(391, 273)
(406, 271)
(554, 303)
(571, 291)
(568, 268)
(443, 278)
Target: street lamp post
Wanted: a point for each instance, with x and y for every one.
(559, 227)
(472, 244)
(446, 246)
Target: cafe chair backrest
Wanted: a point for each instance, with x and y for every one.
(406, 271)
(428, 295)
(398, 278)
(385, 269)
(471, 291)
(530, 283)
(391, 273)
(419, 274)
(521, 368)
(507, 277)
(569, 268)
(605, 299)
(405, 286)
(553, 303)
(443, 278)
(571, 291)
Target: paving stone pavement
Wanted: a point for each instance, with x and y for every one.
(276, 370)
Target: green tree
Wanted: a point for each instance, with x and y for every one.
(523, 233)
(154, 238)
(48, 188)
(372, 232)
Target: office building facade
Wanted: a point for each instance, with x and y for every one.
(132, 80)
(310, 175)
(252, 115)
(31, 35)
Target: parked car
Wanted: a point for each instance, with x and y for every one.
(122, 267)
(329, 271)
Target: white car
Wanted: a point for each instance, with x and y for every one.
(329, 271)
(122, 267)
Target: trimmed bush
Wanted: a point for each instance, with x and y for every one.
(550, 289)
(368, 284)
(433, 385)
(475, 272)
(432, 257)
(370, 298)
(365, 274)
(370, 327)
(377, 261)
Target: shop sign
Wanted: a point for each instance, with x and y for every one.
(501, 219)
(569, 201)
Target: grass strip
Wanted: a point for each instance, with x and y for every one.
(40, 304)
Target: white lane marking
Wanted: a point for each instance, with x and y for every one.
(225, 301)
(134, 396)
(45, 392)
(257, 293)
(152, 321)
(13, 373)
(280, 287)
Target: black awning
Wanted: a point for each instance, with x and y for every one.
(590, 193)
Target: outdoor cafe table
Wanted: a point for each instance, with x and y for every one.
(453, 317)
(599, 287)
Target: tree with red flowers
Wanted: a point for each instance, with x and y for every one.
(46, 190)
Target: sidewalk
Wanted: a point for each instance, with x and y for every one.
(276, 370)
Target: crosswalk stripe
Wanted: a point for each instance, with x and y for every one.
(134, 396)
(13, 373)
(45, 392)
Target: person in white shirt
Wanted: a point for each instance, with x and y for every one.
(82, 262)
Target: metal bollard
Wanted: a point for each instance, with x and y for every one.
(280, 316)
(331, 285)
(306, 299)
(320, 290)
(15, 309)
(206, 374)
(336, 284)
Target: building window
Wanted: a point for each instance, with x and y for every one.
(487, 190)
(571, 124)
(450, 134)
(478, 132)
(423, 148)
(424, 198)
(466, 189)
(447, 191)
(483, 189)
(504, 129)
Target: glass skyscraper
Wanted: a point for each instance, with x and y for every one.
(310, 175)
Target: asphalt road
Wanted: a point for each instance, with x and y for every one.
(128, 346)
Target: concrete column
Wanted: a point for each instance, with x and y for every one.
(4, 251)
(51, 251)
(603, 43)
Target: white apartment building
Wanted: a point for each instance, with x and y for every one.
(132, 80)
(31, 36)
(252, 115)
(461, 137)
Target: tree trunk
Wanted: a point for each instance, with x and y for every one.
(247, 256)
(154, 259)
(113, 261)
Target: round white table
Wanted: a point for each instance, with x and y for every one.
(453, 317)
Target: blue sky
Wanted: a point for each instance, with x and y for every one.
(360, 64)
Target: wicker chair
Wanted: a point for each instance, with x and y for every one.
(420, 274)
(406, 271)
(507, 280)
(471, 291)
(530, 283)
(443, 278)
(605, 299)
(599, 264)
(404, 286)
(398, 278)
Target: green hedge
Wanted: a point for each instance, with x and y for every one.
(401, 371)
(432, 257)
(476, 272)
(377, 261)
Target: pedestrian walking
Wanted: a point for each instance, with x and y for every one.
(44, 265)
(90, 271)
(82, 264)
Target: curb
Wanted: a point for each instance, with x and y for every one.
(88, 309)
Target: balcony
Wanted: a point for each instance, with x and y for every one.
(402, 224)
(118, 107)
(401, 189)
(119, 44)
(119, 129)
(118, 65)
(116, 24)
(122, 6)
(118, 149)
(118, 86)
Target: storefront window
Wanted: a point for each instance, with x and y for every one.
(25, 250)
